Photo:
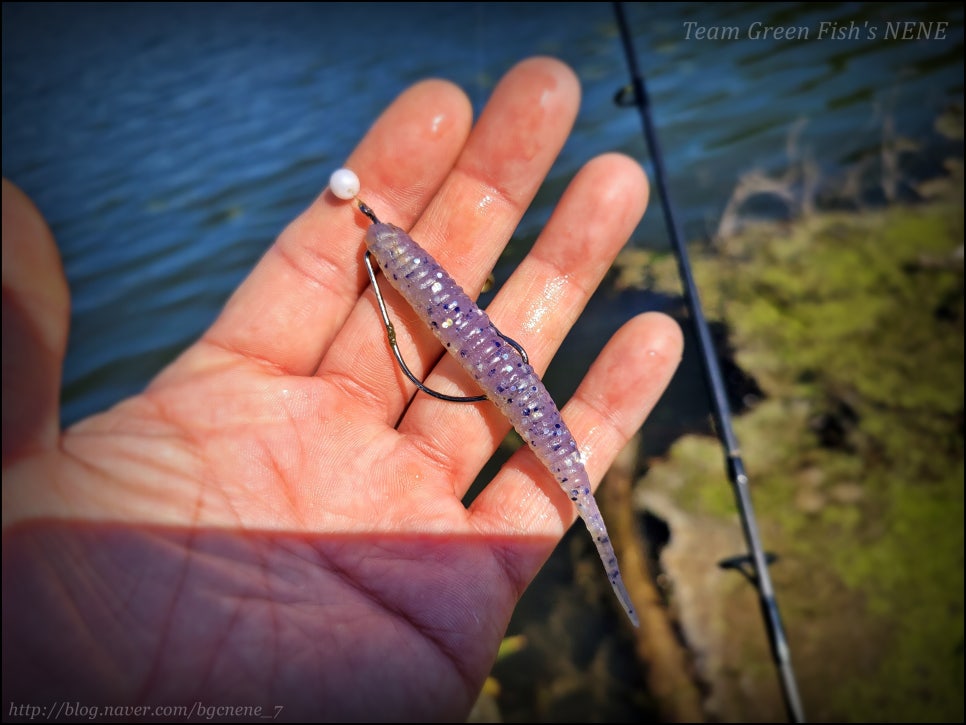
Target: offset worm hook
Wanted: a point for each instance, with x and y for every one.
(391, 330)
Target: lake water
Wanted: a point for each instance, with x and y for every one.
(168, 145)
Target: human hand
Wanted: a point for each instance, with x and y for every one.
(277, 519)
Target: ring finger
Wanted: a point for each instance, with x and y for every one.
(536, 307)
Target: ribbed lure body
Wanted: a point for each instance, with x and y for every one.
(509, 382)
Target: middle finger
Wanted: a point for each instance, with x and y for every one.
(465, 227)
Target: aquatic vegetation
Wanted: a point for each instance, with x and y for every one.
(852, 326)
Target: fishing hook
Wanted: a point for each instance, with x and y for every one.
(391, 330)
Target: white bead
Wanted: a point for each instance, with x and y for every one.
(344, 184)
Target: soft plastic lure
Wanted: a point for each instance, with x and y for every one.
(497, 363)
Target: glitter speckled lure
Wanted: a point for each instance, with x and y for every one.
(494, 361)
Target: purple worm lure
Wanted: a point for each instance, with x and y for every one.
(498, 365)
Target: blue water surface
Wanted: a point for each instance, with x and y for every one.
(168, 145)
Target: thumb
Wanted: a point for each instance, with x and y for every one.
(36, 306)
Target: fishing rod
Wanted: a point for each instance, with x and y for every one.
(712, 370)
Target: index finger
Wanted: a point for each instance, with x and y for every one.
(286, 313)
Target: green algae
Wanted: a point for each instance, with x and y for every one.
(852, 326)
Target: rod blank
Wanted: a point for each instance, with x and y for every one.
(719, 398)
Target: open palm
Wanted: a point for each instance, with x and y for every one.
(277, 519)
